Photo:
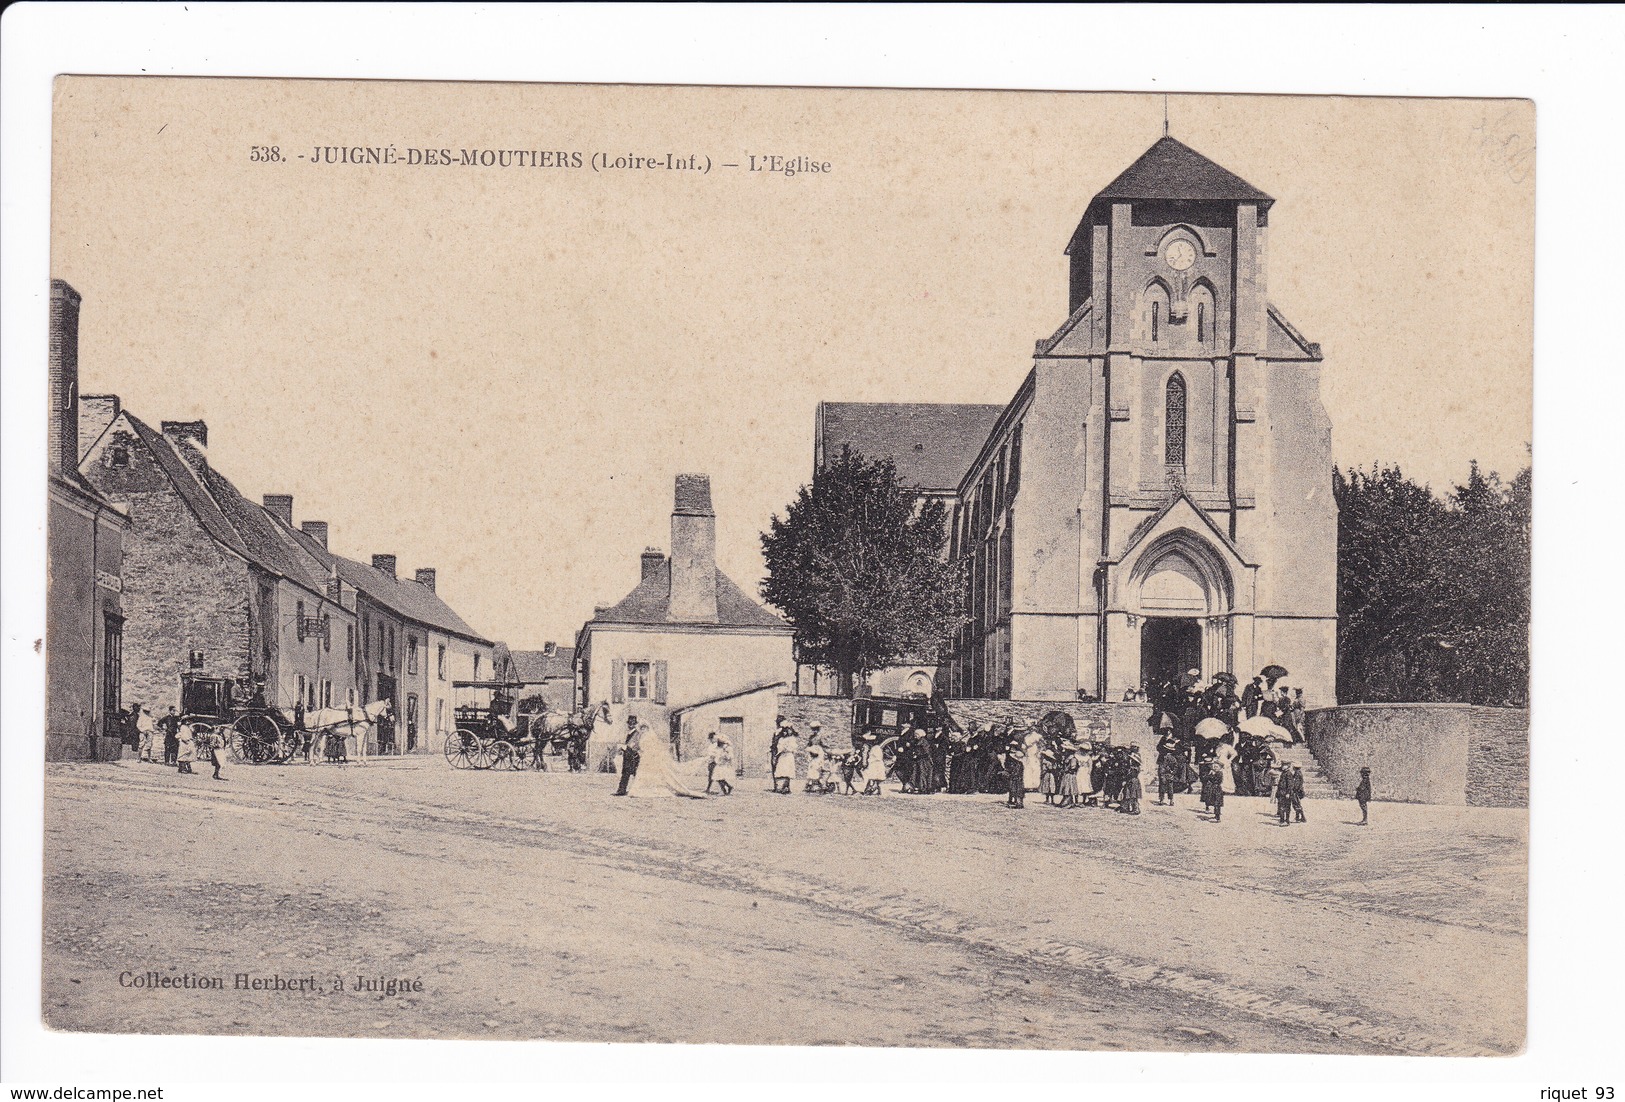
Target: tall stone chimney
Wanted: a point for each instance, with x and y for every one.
(63, 432)
(96, 412)
(653, 560)
(281, 507)
(384, 563)
(693, 552)
(316, 530)
(425, 577)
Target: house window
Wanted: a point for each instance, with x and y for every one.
(118, 457)
(440, 668)
(476, 667)
(327, 694)
(637, 680)
(299, 692)
(349, 642)
(327, 633)
(311, 689)
(299, 619)
(392, 648)
(1174, 423)
(366, 638)
(411, 654)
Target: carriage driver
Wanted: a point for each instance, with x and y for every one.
(502, 709)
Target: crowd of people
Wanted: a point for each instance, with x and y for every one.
(180, 743)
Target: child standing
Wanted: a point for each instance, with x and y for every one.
(1213, 790)
(1362, 795)
(1072, 763)
(1015, 762)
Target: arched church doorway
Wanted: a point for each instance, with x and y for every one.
(1169, 645)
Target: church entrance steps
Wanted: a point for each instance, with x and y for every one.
(1316, 785)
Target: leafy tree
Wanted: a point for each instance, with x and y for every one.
(1433, 594)
(858, 567)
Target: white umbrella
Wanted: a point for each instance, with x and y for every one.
(1264, 728)
(1211, 729)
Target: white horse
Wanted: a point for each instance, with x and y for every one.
(356, 721)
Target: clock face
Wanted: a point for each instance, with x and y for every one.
(1181, 255)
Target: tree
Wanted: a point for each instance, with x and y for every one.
(1432, 594)
(858, 568)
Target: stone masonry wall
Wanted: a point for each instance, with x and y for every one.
(1498, 758)
(182, 593)
(1426, 753)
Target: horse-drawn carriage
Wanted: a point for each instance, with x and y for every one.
(493, 733)
(251, 731)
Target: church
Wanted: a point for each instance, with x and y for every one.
(1157, 496)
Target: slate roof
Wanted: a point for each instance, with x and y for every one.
(534, 666)
(650, 602)
(1170, 169)
(407, 598)
(187, 485)
(248, 530)
(932, 444)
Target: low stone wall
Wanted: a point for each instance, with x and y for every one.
(1425, 753)
(1498, 758)
(81, 748)
(1120, 724)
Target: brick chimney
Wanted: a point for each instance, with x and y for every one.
(195, 433)
(316, 530)
(426, 577)
(384, 563)
(96, 412)
(653, 560)
(64, 372)
(281, 507)
(693, 552)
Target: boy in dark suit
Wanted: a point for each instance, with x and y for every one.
(1362, 795)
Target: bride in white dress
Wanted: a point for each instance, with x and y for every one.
(658, 775)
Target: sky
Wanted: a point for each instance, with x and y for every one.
(498, 372)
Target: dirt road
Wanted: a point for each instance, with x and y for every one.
(537, 906)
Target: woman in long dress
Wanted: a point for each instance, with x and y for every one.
(1033, 763)
(658, 775)
(874, 768)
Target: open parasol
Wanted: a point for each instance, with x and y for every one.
(1211, 729)
(1272, 672)
(1263, 728)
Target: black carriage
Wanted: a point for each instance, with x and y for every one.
(251, 731)
(489, 732)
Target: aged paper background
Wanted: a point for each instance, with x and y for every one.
(495, 371)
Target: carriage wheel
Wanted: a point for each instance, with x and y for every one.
(457, 745)
(503, 756)
(480, 754)
(261, 738)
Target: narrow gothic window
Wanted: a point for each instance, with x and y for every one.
(1201, 321)
(1174, 424)
(1156, 321)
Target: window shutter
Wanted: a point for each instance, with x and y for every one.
(660, 683)
(617, 681)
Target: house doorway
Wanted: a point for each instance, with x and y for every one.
(1169, 645)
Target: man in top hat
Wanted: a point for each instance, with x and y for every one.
(631, 753)
(1362, 794)
(1297, 794)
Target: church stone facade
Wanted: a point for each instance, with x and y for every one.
(1157, 496)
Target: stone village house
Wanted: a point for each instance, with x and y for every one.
(684, 636)
(1157, 494)
(217, 586)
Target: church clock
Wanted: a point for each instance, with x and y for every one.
(1181, 255)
